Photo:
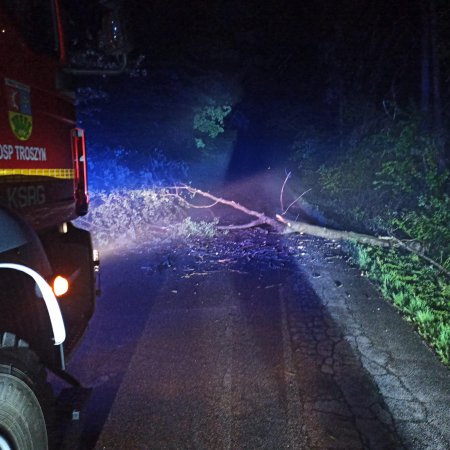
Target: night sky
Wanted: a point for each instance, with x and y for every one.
(286, 46)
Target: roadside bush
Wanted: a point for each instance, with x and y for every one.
(390, 182)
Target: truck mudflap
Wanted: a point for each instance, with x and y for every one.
(54, 312)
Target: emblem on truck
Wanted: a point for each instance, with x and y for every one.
(19, 109)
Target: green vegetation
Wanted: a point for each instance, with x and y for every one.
(209, 122)
(190, 228)
(127, 216)
(131, 205)
(415, 288)
(390, 182)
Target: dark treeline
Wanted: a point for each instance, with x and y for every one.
(334, 68)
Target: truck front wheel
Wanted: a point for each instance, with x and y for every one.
(24, 393)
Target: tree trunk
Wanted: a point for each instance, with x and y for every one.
(425, 67)
(336, 235)
(438, 122)
(430, 90)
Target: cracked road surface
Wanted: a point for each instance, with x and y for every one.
(254, 341)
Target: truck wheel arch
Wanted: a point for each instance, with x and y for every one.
(59, 332)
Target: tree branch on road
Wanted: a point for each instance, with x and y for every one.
(284, 226)
(280, 224)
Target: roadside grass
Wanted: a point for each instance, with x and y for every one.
(416, 289)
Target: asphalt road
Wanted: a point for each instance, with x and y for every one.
(253, 341)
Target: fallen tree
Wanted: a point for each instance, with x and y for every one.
(285, 226)
(279, 223)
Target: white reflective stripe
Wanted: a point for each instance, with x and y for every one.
(59, 331)
(4, 444)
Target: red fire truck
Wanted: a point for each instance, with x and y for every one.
(47, 265)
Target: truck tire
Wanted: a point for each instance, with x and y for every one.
(25, 397)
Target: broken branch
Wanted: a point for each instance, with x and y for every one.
(262, 219)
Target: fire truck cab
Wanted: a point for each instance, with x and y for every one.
(48, 267)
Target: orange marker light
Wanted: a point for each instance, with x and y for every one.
(60, 285)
